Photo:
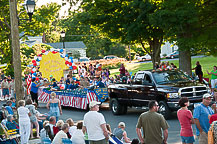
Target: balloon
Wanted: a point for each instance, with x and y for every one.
(71, 67)
(66, 62)
(37, 79)
(61, 56)
(43, 51)
(34, 74)
(34, 69)
(46, 53)
(33, 61)
(52, 49)
(53, 52)
(35, 57)
(72, 60)
(70, 63)
(66, 55)
(66, 58)
(40, 58)
(69, 60)
(74, 67)
(61, 50)
(38, 63)
(34, 64)
(131, 73)
(73, 64)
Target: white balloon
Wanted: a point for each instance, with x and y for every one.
(35, 57)
(34, 69)
(68, 65)
(38, 63)
(46, 53)
(73, 64)
(40, 58)
(66, 58)
(52, 49)
(69, 60)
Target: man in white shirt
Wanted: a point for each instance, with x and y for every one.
(61, 134)
(95, 125)
(49, 127)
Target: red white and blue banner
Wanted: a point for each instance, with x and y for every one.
(77, 98)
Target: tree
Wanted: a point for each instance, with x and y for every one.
(127, 21)
(41, 21)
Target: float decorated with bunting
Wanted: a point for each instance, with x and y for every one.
(54, 62)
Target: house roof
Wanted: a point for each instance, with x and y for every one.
(30, 43)
(68, 45)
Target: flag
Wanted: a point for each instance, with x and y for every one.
(29, 83)
(91, 96)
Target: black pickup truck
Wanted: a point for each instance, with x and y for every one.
(164, 86)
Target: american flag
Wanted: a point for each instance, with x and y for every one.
(29, 83)
(91, 96)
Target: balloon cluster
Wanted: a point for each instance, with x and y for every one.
(37, 59)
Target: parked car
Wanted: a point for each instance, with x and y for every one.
(166, 87)
(144, 58)
(110, 57)
(173, 55)
(84, 59)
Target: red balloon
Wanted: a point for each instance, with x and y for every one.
(34, 64)
(74, 67)
(70, 63)
(43, 51)
(37, 79)
(32, 71)
(66, 62)
(33, 61)
(53, 52)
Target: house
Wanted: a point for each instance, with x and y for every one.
(32, 40)
(168, 48)
(71, 47)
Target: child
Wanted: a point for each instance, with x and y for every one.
(9, 108)
(13, 102)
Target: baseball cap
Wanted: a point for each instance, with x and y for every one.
(121, 124)
(207, 95)
(93, 103)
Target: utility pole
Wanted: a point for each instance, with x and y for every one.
(16, 50)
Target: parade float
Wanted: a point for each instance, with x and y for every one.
(55, 62)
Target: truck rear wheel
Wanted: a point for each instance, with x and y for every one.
(117, 108)
(164, 109)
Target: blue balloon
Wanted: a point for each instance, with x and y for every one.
(74, 78)
(61, 50)
(34, 74)
(131, 73)
(71, 61)
(61, 56)
(38, 59)
(70, 58)
(70, 67)
(66, 55)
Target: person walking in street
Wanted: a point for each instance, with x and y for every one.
(34, 90)
(95, 125)
(213, 74)
(186, 119)
(201, 115)
(198, 71)
(24, 122)
(152, 124)
(54, 106)
(5, 88)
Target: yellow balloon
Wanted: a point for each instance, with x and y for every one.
(52, 64)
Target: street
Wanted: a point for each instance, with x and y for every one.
(130, 120)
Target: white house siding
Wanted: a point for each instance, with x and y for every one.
(168, 48)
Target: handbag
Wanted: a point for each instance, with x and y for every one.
(210, 135)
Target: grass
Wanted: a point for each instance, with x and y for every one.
(207, 63)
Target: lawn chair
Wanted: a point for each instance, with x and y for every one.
(114, 140)
(66, 141)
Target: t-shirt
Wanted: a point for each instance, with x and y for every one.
(214, 76)
(23, 115)
(213, 118)
(78, 137)
(198, 70)
(152, 123)
(10, 110)
(184, 117)
(34, 87)
(93, 121)
(58, 138)
(201, 112)
(5, 84)
(72, 130)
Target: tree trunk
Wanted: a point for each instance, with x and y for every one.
(16, 50)
(155, 46)
(185, 61)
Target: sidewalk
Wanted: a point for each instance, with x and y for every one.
(35, 141)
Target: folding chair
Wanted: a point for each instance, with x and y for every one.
(114, 140)
(66, 141)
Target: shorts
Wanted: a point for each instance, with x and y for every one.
(5, 91)
(213, 83)
(187, 139)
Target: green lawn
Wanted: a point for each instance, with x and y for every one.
(207, 63)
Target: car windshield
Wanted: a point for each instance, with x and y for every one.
(170, 77)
